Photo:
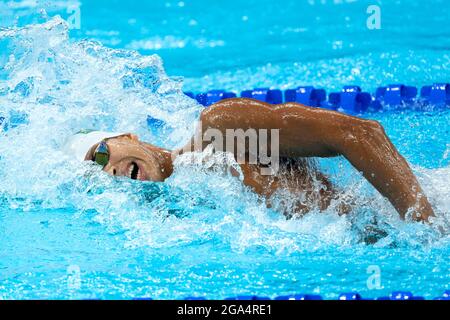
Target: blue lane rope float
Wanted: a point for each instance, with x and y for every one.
(396, 95)
(401, 295)
(350, 296)
(247, 298)
(214, 96)
(307, 95)
(437, 94)
(351, 100)
(264, 94)
(300, 297)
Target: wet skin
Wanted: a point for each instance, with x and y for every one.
(304, 132)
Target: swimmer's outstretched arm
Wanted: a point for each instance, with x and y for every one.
(313, 132)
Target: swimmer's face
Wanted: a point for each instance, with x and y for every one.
(129, 157)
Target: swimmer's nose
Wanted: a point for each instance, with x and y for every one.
(111, 170)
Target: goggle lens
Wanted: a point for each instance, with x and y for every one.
(101, 154)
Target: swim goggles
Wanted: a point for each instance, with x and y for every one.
(101, 154)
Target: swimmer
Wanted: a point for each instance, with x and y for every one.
(304, 132)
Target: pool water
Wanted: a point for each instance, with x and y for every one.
(69, 231)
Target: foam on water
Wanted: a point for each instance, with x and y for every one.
(52, 86)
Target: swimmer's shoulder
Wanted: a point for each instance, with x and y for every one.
(249, 105)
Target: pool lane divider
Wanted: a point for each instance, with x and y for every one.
(349, 296)
(351, 99)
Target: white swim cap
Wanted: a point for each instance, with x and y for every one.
(79, 144)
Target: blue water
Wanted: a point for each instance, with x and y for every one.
(69, 231)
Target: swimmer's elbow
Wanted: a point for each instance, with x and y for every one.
(375, 126)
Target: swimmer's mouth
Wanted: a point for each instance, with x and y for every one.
(134, 171)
